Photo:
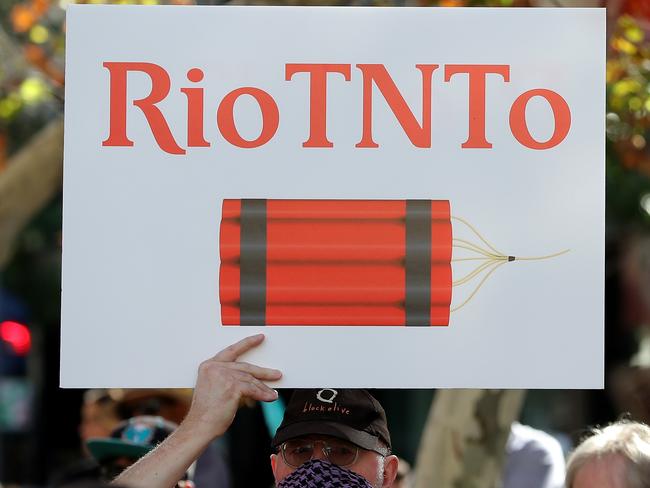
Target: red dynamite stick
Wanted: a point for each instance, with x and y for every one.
(340, 284)
(335, 240)
(336, 316)
(336, 209)
(335, 262)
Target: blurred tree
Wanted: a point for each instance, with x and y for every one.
(464, 439)
(628, 123)
(30, 181)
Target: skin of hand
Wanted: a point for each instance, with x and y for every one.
(222, 383)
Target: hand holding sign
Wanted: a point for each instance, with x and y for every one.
(223, 381)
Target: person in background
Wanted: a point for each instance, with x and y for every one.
(617, 456)
(169, 403)
(129, 441)
(211, 468)
(98, 416)
(534, 459)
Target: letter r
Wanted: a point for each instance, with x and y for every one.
(160, 85)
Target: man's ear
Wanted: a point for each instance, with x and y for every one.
(390, 470)
(274, 464)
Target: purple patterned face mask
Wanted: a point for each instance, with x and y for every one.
(322, 474)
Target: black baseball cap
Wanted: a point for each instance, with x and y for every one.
(352, 415)
(132, 438)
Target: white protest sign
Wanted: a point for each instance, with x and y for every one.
(395, 197)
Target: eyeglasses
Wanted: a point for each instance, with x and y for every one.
(296, 452)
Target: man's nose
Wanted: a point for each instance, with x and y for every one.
(318, 452)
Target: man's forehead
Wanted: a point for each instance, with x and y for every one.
(605, 472)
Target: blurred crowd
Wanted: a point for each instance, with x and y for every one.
(118, 427)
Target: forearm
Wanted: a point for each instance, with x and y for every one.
(167, 463)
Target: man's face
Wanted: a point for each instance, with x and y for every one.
(96, 421)
(380, 471)
(606, 472)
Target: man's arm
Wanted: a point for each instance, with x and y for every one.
(221, 384)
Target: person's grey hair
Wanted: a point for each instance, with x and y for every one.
(627, 439)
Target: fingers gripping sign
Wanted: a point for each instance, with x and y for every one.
(223, 382)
